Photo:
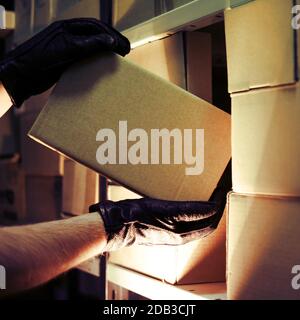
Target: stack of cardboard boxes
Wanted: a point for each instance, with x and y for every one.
(264, 210)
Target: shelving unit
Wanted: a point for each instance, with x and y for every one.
(154, 289)
(191, 16)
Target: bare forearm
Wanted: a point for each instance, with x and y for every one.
(35, 254)
(5, 102)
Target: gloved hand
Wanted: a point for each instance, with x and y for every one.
(156, 222)
(37, 64)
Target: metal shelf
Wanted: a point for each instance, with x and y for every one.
(157, 290)
(191, 16)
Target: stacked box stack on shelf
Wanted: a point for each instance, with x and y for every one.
(264, 209)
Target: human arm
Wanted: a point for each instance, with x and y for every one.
(34, 254)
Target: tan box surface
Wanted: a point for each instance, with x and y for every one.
(266, 140)
(260, 45)
(99, 94)
(263, 247)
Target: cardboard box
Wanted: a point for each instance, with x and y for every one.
(265, 141)
(86, 100)
(80, 188)
(12, 191)
(76, 9)
(43, 198)
(261, 45)
(37, 159)
(184, 58)
(128, 13)
(24, 10)
(8, 144)
(263, 247)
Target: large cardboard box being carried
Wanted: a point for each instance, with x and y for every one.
(100, 93)
(80, 188)
(12, 191)
(261, 45)
(266, 141)
(263, 247)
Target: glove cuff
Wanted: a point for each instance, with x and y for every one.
(119, 233)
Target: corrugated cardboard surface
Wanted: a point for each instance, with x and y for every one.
(101, 92)
(43, 198)
(37, 159)
(12, 191)
(266, 141)
(260, 45)
(263, 247)
(80, 188)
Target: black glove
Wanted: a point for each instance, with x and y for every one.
(156, 222)
(37, 64)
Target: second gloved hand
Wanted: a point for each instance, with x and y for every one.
(37, 64)
(157, 222)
